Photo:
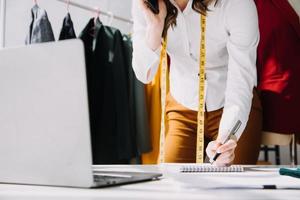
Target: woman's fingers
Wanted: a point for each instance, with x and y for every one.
(225, 159)
(162, 9)
(231, 144)
(227, 152)
(154, 18)
(212, 148)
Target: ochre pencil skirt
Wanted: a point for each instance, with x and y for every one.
(180, 144)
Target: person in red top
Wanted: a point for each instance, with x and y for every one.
(278, 64)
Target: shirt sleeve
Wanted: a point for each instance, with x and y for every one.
(145, 61)
(241, 22)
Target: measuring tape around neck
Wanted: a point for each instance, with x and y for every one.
(200, 118)
(163, 85)
(164, 79)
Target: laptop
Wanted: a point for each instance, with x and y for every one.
(44, 119)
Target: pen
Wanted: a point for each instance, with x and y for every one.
(232, 133)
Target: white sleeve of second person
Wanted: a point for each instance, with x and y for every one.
(241, 22)
(145, 61)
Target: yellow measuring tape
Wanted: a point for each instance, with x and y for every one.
(200, 118)
(201, 108)
(164, 87)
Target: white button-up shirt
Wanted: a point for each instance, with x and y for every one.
(232, 37)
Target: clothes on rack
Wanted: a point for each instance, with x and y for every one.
(117, 101)
(40, 29)
(113, 141)
(67, 30)
(138, 106)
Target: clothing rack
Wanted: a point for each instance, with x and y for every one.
(95, 10)
(69, 2)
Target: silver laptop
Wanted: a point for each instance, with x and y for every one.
(44, 119)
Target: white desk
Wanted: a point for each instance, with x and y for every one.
(173, 185)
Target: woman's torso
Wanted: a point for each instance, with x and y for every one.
(184, 51)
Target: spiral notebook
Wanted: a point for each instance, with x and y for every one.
(192, 168)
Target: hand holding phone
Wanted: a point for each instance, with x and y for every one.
(154, 23)
(153, 5)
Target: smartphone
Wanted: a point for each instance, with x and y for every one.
(153, 5)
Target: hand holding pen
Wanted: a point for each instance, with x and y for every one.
(221, 153)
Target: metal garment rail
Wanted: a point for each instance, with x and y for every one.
(72, 3)
(95, 10)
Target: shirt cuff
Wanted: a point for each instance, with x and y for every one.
(231, 115)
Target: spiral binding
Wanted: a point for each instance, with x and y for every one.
(210, 168)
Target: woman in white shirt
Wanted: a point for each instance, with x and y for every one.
(231, 40)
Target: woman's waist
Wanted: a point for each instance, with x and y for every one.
(187, 93)
(190, 70)
(189, 63)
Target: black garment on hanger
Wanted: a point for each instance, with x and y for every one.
(108, 94)
(67, 30)
(138, 107)
(40, 29)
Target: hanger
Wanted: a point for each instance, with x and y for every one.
(68, 6)
(35, 4)
(97, 14)
(96, 21)
(111, 18)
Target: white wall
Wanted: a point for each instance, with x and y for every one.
(19, 16)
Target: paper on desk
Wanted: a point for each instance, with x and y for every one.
(255, 179)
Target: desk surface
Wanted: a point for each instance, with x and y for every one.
(173, 185)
